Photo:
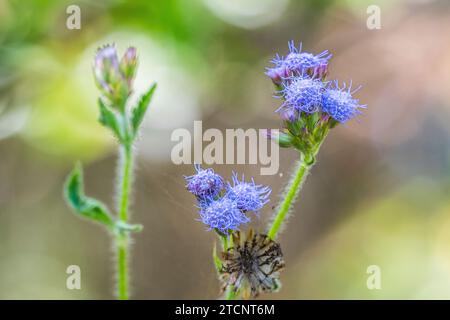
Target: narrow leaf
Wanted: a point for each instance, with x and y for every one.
(111, 120)
(140, 109)
(84, 206)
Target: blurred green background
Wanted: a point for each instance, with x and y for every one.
(379, 194)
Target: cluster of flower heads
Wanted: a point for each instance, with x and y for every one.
(223, 205)
(300, 78)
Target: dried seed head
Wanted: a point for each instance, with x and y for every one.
(252, 264)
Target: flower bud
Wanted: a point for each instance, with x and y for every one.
(284, 140)
(113, 82)
(128, 65)
(277, 74)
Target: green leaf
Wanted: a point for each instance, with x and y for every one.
(138, 112)
(84, 206)
(111, 120)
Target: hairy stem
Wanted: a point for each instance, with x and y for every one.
(122, 238)
(122, 267)
(304, 165)
(126, 163)
(291, 194)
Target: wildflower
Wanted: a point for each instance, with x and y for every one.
(298, 63)
(223, 215)
(248, 195)
(303, 94)
(340, 104)
(205, 183)
(114, 78)
(252, 264)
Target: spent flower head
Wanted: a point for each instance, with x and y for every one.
(252, 265)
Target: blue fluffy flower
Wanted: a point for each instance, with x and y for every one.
(248, 195)
(339, 103)
(298, 63)
(205, 183)
(223, 214)
(303, 94)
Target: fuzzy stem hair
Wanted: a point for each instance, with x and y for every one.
(289, 196)
(123, 238)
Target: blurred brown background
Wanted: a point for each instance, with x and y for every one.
(379, 194)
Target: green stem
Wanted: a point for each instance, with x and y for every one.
(292, 192)
(304, 165)
(224, 240)
(126, 163)
(122, 238)
(230, 294)
(122, 267)
(226, 244)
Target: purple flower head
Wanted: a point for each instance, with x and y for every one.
(302, 94)
(205, 183)
(339, 102)
(298, 63)
(223, 214)
(248, 195)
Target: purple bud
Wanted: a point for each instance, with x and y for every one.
(109, 77)
(128, 64)
(105, 61)
(277, 74)
(289, 114)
